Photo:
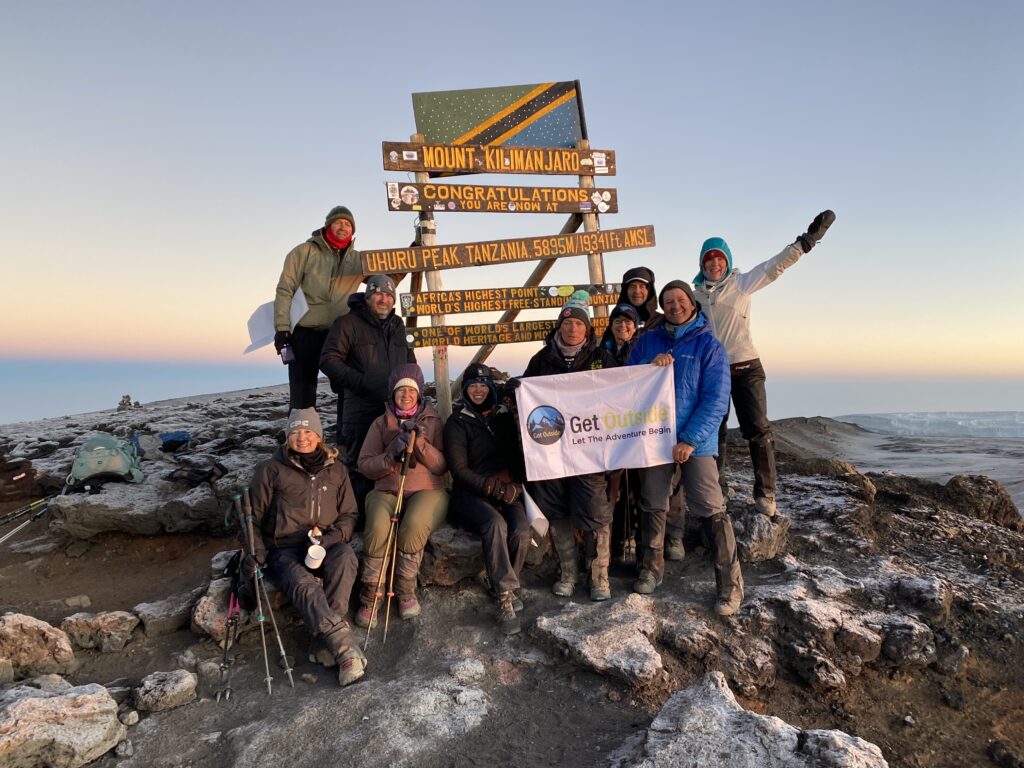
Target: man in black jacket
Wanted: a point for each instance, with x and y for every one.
(361, 350)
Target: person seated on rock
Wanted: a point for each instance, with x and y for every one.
(481, 447)
(725, 295)
(424, 500)
(701, 377)
(579, 502)
(300, 496)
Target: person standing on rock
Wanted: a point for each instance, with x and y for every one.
(302, 497)
(362, 348)
(424, 500)
(482, 450)
(701, 374)
(328, 270)
(724, 293)
(579, 502)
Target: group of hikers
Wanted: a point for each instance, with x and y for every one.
(392, 450)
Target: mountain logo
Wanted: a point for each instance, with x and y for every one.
(545, 424)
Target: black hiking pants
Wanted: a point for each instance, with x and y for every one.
(322, 607)
(304, 372)
(751, 403)
(503, 531)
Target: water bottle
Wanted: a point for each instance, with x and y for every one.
(287, 354)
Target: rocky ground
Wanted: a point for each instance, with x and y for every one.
(881, 626)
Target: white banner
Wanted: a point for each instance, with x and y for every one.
(594, 421)
(261, 321)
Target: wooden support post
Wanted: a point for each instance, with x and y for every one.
(595, 261)
(539, 273)
(442, 378)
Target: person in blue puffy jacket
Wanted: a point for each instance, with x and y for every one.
(701, 374)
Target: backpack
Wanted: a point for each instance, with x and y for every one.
(104, 457)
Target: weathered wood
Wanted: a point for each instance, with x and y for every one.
(502, 299)
(479, 198)
(595, 261)
(465, 158)
(505, 251)
(488, 333)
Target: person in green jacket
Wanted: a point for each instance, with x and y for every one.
(328, 270)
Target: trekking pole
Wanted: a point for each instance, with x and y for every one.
(39, 512)
(392, 536)
(29, 508)
(395, 518)
(248, 533)
(231, 627)
(266, 598)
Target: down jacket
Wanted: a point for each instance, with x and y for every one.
(287, 501)
(727, 302)
(702, 381)
(327, 278)
(476, 449)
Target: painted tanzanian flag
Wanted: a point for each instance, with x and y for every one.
(537, 115)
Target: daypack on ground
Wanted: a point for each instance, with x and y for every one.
(104, 457)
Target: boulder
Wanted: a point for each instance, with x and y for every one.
(34, 647)
(929, 596)
(166, 690)
(611, 638)
(63, 729)
(168, 615)
(452, 555)
(758, 537)
(704, 726)
(108, 632)
(983, 498)
(908, 643)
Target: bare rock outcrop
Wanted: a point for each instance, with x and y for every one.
(34, 647)
(107, 632)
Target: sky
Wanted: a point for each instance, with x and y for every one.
(157, 161)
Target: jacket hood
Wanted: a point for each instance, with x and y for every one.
(650, 307)
(713, 244)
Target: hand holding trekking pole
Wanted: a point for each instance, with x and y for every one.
(391, 546)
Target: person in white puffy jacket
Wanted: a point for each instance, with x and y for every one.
(724, 294)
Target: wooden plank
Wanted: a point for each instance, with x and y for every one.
(479, 198)
(504, 251)
(466, 158)
(503, 299)
(488, 333)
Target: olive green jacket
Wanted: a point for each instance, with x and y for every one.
(326, 276)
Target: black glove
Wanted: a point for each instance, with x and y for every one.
(408, 425)
(401, 445)
(816, 230)
(281, 339)
(512, 385)
(491, 485)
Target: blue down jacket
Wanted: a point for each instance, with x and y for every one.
(701, 372)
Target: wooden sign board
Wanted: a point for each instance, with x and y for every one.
(465, 158)
(502, 299)
(436, 257)
(488, 333)
(489, 199)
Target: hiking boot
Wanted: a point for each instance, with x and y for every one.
(646, 582)
(408, 607)
(601, 541)
(564, 540)
(674, 549)
(351, 665)
(729, 580)
(364, 617)
(766, 506)
(508, 622)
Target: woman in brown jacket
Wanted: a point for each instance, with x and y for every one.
(425, 502)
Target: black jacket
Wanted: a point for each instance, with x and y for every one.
(608, 345)
(648, 311)
(358, 355)
(476, 449)
(549, 360)
(287, 501)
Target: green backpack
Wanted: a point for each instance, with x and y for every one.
(104, 457)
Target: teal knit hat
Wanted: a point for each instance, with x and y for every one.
(576, 307)
(713, 244)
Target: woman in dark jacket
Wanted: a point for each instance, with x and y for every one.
(620, 335)
(481, 447)
(302, 497)
(581, 501)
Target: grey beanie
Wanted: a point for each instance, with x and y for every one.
(380, 284)
(339, 212)
(683, 286)
(305, 418)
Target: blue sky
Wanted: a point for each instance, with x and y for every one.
(165, 157)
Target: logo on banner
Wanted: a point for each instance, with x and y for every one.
(545, 424)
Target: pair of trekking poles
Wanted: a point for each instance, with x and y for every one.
(391, 549)
(36, 509)
(242, 505)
